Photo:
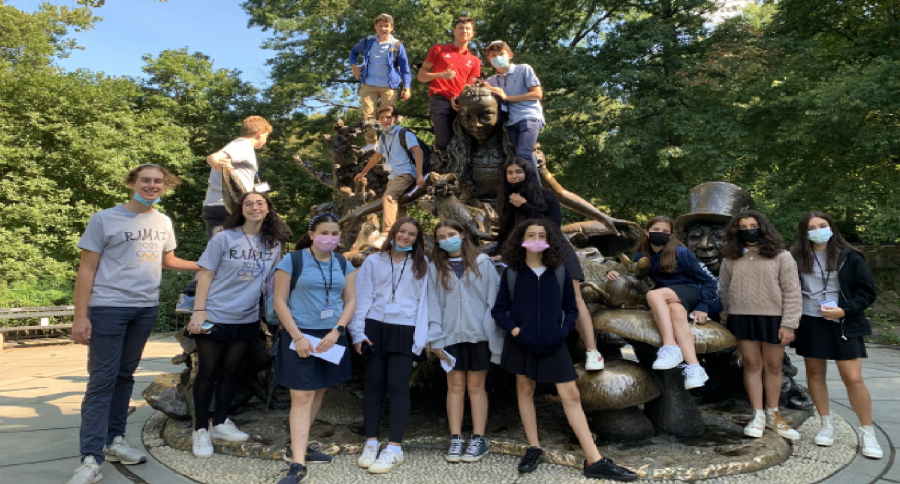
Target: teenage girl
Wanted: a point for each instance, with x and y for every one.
(233, 268)
(521, 197)
(462, 287)
(390, 329)
(686, 289)
(837, 287)
(320, 305)
(123, 252)
(760, 296)
(537, 317)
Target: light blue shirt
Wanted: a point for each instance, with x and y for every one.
(390, 148)
(308, 297)
(518, 80)
(378, 71)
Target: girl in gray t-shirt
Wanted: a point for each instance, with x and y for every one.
(234, 268)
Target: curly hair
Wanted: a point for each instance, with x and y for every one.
(420, 264)
(770, 245)
(170, 180)
(273, 229)
(531, 191)
(553, 257)
(668, 260)
(441, 258)
(802, 248)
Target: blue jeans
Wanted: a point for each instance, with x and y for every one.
(118, 336)
(523, 136)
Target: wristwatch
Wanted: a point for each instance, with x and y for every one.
(342, 330)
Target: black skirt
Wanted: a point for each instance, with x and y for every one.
(471, 356)
(572, 263)
(228, 332)
(689, 296)
(310, 373)
(389, 338)
(755, 328)
(553, 367)
(821, 338)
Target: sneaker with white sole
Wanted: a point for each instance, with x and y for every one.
(694, 376)
(201, 444)
(775, 421)
(594, 361)
(455, 450)
(368, 456)
(668, 357)
(185, 304)
(87, 473)
(120, 451)
(478, 448)
(825, 437)
(386, 462)
(869, 444)
(228, 431)
(757, 425)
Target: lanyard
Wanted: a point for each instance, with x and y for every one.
(330, 282)
(393, 285)
(822, 274)
(256, 257)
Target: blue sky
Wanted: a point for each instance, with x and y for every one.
(132, 28)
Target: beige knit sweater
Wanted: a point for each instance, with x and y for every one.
(756, 286)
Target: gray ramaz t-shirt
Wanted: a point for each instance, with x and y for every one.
(241, 263)
(131, 248)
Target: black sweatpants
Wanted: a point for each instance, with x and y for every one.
(442, 116)
(387, 372)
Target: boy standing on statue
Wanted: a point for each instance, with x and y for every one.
(519, 87)
(447, 69)
(384, 65)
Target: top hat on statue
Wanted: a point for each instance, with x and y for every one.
(714, 202)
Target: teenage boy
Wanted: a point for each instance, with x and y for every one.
(384, 65)
(239, 157)
(519, 87)
(447, 69)
(404, 172)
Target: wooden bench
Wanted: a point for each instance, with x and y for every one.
(24, 313)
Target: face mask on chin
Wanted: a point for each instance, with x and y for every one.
(141, 199)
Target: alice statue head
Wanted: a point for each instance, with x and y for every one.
(479, 113)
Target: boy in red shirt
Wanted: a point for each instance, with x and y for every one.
(447, 69)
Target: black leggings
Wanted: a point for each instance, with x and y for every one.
(219, 365)
(387, 372)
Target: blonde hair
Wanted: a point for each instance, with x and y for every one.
(254, 125)
(169, 179)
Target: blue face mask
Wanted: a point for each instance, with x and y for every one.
(820, 236)
(451, 244)
(500, 61)
(146, 202)
(402, 249)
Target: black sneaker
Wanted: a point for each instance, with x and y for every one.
(477, 449)
(530, 461)
(605, 468)
(295, 474)
(312, 456)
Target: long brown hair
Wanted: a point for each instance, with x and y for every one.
(273, 229)
(531, 190)
(553, 257)
(802, 249)
(441, 257)
(420, 265)
(668, 260)
(770, 245)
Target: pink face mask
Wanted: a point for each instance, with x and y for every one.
(535, 245)
(327, 243)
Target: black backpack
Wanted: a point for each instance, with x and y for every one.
(426, 151)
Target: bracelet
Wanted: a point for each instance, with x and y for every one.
(298, 338)
(198, 310)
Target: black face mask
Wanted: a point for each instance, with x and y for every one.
(750, 236)
(517, 187)
(659, 238)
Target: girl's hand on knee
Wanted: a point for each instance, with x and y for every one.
(785, 336)
(612, 275)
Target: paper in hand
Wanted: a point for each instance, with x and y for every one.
(333, 355)
(447, 361)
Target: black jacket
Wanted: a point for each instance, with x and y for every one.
(551, 210)
(857, 293)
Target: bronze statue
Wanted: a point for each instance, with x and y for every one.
(712, 206)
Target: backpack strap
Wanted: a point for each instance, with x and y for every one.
(511, 276)
(405, 146)
(296, 266)
(560, 272)
(342, 261)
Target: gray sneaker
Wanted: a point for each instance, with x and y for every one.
(185, 304)
(454, 452)
(120, 451)
(87, 473)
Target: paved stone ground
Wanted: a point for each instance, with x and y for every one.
(41, 390)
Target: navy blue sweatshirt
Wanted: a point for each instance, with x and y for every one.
(543, 315)
(688, 272)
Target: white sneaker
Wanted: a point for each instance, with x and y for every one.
(367, 458)
(867, 442)
(668, 357)
(386, 461)
(87, 473)
(757, 425)
(774, 420)
(227, 431)
(120, 451)
(594, 361)
(694, 376)
(825, 437)
(202, 444)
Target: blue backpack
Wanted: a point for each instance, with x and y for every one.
(296, 268)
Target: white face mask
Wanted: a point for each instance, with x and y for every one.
(500, 61)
